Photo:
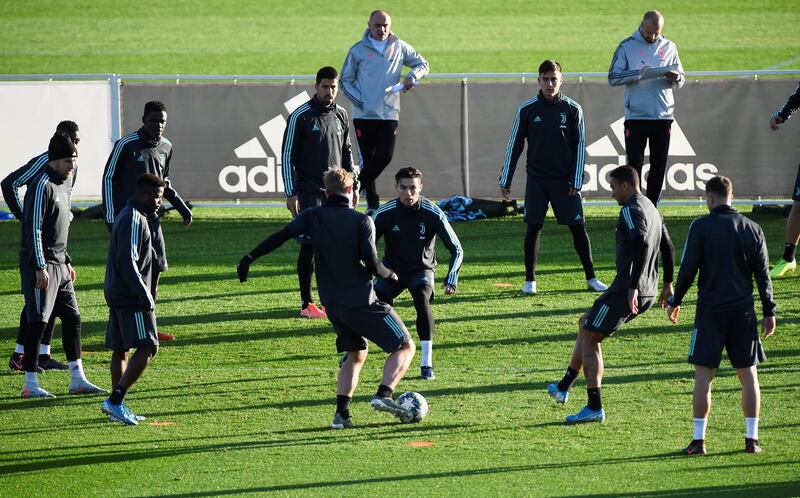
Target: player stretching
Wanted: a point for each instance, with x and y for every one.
(410, 225)
(344, 248)
(552, 124)
(728, 250)
(639, 233)
(131, 308)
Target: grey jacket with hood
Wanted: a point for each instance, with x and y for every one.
(367, 74)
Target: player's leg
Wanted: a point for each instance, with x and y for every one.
(745, 352)
(132, 329)
(593, 367)
(536, 204)
(366, 141)
(46, 360)
(660, 133)
(346, 384)
(788, 262)
(701, 407)
(66, 308)
(635, 143)
(39, 304)
(385, 137)
(422, 296)
(580, 240)
(305, 260)
(15, 361)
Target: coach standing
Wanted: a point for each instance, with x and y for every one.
(372, 67)
(647, 63)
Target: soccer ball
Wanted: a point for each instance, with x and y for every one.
(416, 403)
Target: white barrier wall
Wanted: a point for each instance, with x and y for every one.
(30, 111)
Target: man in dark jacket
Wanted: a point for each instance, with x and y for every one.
(317, 137)
(131, 314)
(552, 125)
(344, 246)
(728, 250)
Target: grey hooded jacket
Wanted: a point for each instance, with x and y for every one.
(367, 74)
(645, 98)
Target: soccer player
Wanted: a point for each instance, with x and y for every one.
(143, 151)
(10, 185)
(410, 224)
(344, 247)
(46, 268)
(728, 250)
(552, 124)
(649, 103)
(317, 136)
(131, 307)
(787, 263)
(371, 70)
(634, 290)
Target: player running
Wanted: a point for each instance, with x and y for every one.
(410, 224)
(639, 233)
(728, 250)
(344, 248)
(552, 124)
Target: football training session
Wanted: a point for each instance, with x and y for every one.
(387, 249)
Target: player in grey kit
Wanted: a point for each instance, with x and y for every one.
(344, 248)
(131, 314)
(11, 184)
(46, 268)
(634, 290)
(729, 251)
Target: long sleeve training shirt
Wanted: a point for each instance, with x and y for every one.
(316, 138)
(24, 176)
(728, 250)
(554, 131)
(132, 156)
(45, 220)
(129, 266)
(410, 235)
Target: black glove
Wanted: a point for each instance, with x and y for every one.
(244, 267)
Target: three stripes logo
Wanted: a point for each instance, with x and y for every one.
(265, 176)
(680, 176)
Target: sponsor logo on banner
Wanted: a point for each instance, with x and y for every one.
(682, 176)
(257, 170)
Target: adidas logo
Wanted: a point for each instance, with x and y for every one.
(537, 119)
(140, 159)
(679, 176)
(578, 217)
(262, 177)
(315, 128)
(395, 228)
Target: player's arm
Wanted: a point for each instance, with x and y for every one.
(129, 242)
(349, 80)
(690, 264)
(619, 73)
(16, 179)
(579, 146)
(679, 76)
(667, 250)
(290, 153)
(760, 268)
(369, 254)
(785, 112)
(347, 155)
(636, 226)
(296, 227)
(516, 143)
(173, 197)
(450, 240)
(37, 201)
(419, 66)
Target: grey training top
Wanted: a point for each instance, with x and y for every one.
(45, 220)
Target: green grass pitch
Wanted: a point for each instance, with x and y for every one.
(241, 402)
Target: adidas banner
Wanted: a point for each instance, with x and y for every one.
(227, 138)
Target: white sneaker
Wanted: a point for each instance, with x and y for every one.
(529, 288)
(34, 392)
(85, 387)
(596, 285)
